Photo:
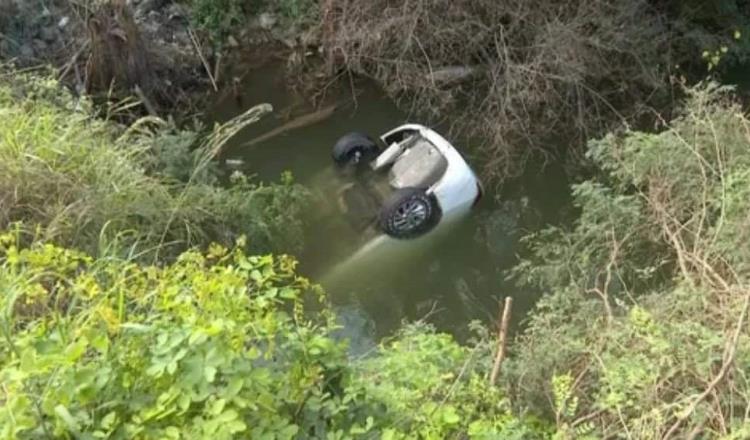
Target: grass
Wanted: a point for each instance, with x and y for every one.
(73, 176)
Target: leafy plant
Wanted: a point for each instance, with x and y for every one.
(214, 345)
(647, 303)
(208, 347)
(79, 177)
(216, 17)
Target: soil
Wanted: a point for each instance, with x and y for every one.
(145, 48)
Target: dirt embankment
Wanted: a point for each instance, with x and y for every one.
(143, 48)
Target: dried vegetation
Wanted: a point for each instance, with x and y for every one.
(516, 76)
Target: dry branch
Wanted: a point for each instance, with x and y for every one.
(521, 76)
(299, 122)
(501, 339)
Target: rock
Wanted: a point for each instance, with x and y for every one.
(267, 20)
(232, 42)
(63, 22)
(50, 34)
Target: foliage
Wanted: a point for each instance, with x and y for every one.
(78, 176)
(717, 30)
(216, 17)
(215, 345)
(433, 388)
(209, 347)
(298, 10)
(220, 18)
(647, 303)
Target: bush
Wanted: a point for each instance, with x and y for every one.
(217, 18)
(209, 347)
(648, 304)
(215, 345)
(79, 177)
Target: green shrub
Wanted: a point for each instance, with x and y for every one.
(216, 17)
(647, 292)
(209, 347)
(77, 176)
(433, 388)
(214, 346)
(298, 10)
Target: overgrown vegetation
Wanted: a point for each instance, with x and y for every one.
(121, 319)
(644, 332)
(522, 78)
(82, 179)
(219, 19)
(216, 345)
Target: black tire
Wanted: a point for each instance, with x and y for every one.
(409, 213)
(355, 149)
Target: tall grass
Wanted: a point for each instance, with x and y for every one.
(72, 174)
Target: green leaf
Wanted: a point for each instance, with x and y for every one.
(109, 420)
(209, 373)
(450, 417)
(68, 418)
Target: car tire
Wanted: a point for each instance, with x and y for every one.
(354, 149)
(409, 213)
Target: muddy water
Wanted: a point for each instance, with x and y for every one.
(448, 278)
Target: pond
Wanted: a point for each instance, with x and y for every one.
(448, 279)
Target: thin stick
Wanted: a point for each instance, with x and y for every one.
(203, 59)
(146, 102)
(300, 122)
(73, 60)
(217, 72)
(500, 356)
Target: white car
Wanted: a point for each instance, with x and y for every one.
(428, 181)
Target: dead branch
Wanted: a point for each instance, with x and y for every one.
(198, 49)
(501, 339)
(451, 75)
(515, 74)
(294, 124)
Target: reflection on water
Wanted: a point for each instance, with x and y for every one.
(454, 274)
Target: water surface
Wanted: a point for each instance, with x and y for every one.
(448, 278)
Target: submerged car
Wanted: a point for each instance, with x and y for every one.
(427, 181)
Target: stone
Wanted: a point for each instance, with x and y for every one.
(232, 42)
(63, 22)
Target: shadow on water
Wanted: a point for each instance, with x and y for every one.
(452, 277)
